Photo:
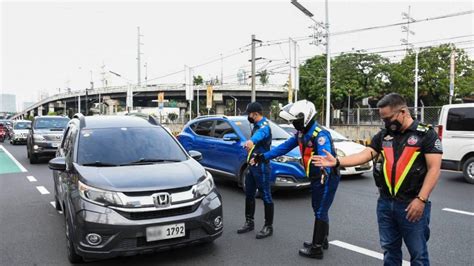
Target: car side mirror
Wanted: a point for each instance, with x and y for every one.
(58, 163)
(195, 155)
(231, 137)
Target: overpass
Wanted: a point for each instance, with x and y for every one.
(113, 99)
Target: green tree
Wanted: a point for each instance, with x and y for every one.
(198, 80)
(172, 117)
(263, 76)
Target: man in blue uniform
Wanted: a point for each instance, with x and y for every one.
(312, 140)
(258, 175)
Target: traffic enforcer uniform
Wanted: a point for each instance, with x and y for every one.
(399, 173)
(324, 182)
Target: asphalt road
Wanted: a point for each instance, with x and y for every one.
(32, 231)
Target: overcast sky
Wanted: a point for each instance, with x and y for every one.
(51, 45)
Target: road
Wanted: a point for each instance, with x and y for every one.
(32, 231)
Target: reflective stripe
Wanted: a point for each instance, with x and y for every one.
(403, 166)
(385, 172)
(250, 153)
(306, 153)
(308, 165)
(414, 154)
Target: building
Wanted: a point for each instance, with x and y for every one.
(7, 103)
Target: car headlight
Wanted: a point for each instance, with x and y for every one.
(286, 159)
(340, 153)
(204, 186)
(38, 137)
(99, 196)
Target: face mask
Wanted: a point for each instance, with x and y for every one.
(298, 124)
(393, 126)
(250, 119)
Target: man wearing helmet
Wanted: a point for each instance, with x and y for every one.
(258, 175)
(312, 140)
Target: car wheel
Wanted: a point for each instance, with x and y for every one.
(56, 203)
(468, 170)
(33, 158)
(243, 176)
(71, 252)
(27, 152)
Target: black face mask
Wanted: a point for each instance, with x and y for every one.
(298, 124)
(393, 126)
(250, 119)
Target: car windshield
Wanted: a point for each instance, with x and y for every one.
(277, 132)
(21, 125)
(126, 146)
(56, 122)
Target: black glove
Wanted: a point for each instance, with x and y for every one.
(258, 158)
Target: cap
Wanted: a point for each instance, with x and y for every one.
(253, 107)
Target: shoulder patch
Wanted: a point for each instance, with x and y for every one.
(321, 140)
(438, 145)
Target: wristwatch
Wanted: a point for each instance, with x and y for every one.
(338, 163)
(422, 199)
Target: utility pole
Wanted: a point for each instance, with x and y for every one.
(146, 74)
(253, 96)
(416, 84)
(406, 29)
(451, 76)
(139, 81)
(104, 84)
(328, 71)
(222, 70)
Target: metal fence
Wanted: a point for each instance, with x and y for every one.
(371, 116)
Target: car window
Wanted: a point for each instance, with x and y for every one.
(222, 128)
(460, 119)
(120, 146)
(203, 128)
(277, 132)
(47, 123)
(21, 125)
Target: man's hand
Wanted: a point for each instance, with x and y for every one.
(324, 161)
(248, 145)
(257, 159)
(415, 210)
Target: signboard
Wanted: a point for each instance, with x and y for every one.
(161, 97)
(218, 97)
(209, 97)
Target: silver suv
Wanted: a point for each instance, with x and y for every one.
(45, 136)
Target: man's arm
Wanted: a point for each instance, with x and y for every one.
(260, 135)
(352, 160)
(281, 149)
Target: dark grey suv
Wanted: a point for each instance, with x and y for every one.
(126, 187)
(44, 136)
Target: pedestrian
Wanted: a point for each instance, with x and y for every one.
(311, 140)
(258, 175)
(407, 166)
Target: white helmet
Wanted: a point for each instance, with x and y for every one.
(299, 110)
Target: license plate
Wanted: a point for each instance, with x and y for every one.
(165, 232)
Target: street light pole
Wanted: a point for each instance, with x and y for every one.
(235, 105)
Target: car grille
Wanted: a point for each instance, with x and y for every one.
(149, 193)
(55, 138)
(158, 213)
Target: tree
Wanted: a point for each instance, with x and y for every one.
(263, 77)
(172, 117)
(198, 80)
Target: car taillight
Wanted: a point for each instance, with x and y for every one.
(440, 131)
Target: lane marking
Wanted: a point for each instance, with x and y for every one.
(31, 178)
(42, 190)
(458, 211)
(18, 164)
(364, 251)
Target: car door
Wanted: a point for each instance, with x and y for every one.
(65, 150)
(203, 142)
(226, 152)
(459, 133)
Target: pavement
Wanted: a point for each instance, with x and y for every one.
(32, 231)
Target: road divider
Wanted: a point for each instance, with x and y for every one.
(459, 211)
(363, 251)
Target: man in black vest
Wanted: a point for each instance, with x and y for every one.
(407, 167)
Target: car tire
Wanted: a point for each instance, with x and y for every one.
(72, 256)
(57, 204)
(33, 158)
(468, 170)
(243, 176)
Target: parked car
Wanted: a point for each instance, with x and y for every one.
(456, 131)
(44, 136)
(344, 147)
(126, 186)
(19, 131)
(220, 139)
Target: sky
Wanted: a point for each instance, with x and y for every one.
(50, 46)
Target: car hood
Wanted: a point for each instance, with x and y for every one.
(293, 153)
(142, 177)
(20, 131)
(48, 131)
(349, 147)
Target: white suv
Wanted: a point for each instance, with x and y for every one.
(456, 130)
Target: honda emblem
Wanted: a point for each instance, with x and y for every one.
(162, 200)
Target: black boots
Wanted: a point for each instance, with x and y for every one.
(308, 244)
(267, 229)
(319, 234)
(249, 213)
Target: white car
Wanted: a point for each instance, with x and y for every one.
(19, 131)
(456, 131)
(344, 147)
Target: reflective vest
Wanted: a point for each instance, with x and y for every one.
(400, 172)
(308, 149)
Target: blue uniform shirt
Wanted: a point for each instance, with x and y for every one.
(322, 141)
(261, 136)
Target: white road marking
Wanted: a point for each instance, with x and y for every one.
(42, 190)
(459, 211)
(31, 178)
(54, 206)
(23, 169)
(364, 251)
